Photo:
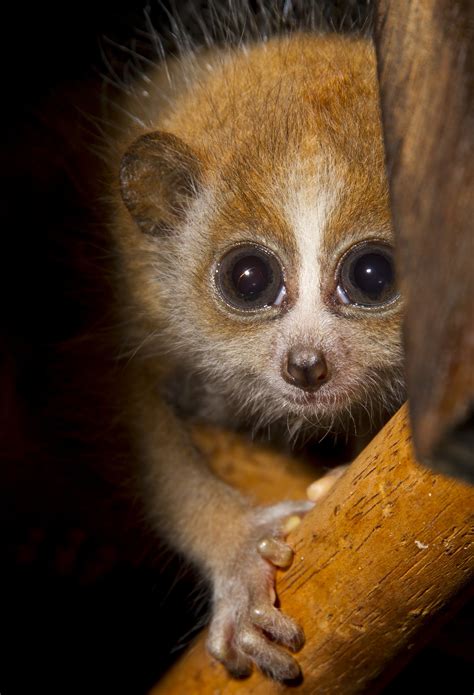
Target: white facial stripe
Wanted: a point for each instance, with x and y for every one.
(308, 212)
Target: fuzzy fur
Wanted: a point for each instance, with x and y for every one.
(272, 137)
(296, 164)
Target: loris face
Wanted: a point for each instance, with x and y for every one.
(295, 311)
(277, 276)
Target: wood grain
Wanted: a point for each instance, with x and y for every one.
(426, 72)
(377, 563)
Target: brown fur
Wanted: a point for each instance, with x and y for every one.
(224, 148)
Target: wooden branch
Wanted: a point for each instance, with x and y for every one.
(426, 61)
(377, 562)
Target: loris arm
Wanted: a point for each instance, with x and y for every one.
(378, 563)
(237, 546)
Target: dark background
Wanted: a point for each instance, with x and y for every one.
(90, 602)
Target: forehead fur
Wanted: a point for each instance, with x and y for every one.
(302, 86)
(267, 117)
(282, 128)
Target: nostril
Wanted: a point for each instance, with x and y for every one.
(316, 373)
(306, 369)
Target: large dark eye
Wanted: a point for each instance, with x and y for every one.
(250, 277)
(367, 275)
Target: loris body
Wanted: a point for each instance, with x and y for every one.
(257, 275)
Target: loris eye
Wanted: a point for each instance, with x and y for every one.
(367, 275)
(250, 277)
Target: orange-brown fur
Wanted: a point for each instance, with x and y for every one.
(257, 128)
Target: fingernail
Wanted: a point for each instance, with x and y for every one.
(291, 523)
(319, 489)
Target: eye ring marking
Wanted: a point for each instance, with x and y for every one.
(365, 276)
(250, 278)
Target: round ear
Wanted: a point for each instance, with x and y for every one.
(159, 176)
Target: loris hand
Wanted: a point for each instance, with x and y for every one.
(244, 596)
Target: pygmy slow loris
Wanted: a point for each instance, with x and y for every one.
(250, 210)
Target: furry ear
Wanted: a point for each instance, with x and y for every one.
(159, 176)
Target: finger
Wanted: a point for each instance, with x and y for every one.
(320, 488)
(280, 627)
(275, 551)
(280, 511)
(290, 524)
(221, 647)
(270, 659)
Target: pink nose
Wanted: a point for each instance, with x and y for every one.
(305, 368)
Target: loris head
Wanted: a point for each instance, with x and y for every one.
(263, 232)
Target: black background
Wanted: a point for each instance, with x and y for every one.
(88, 603)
